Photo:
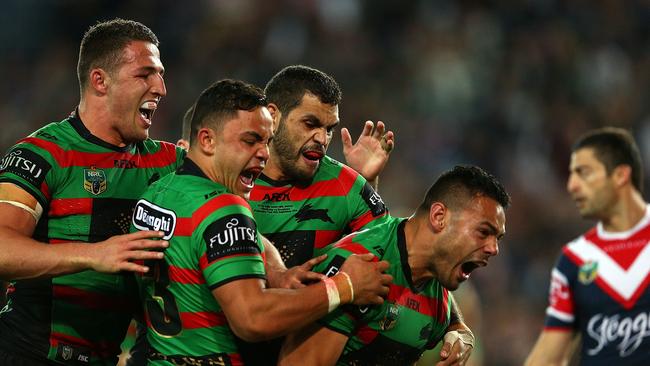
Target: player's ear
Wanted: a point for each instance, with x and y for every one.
(206, 140)
(99, 80)
(437, 216)
(275, 114)
(622, 175)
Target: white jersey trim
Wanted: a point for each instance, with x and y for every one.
(623, 282)
(565, 317)
(610, 235)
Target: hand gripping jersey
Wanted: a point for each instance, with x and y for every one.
(599, 287)
(299, 219)
(87, 189)
(411, 319)
(213, 240)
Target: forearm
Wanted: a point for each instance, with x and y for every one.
(257, 314)
(456, 320)
(313, 345)
(553, 348)
(274, 264)
(285, 311)
(22, 257)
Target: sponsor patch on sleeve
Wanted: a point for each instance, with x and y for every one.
(334, 266)
(373, 200)
(148, 216)
(560, 299)
(27, 165)
(231, 235)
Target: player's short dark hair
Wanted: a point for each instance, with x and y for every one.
(221, 101)
(462, 183)
(613, 147)
(103, 44)
(289, 85)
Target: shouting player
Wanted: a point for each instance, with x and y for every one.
(210, 285)
(455, 230)
(67, 192)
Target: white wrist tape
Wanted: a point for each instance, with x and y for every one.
(464, 336)
(35, 212)
(347, 277)
(333, 298)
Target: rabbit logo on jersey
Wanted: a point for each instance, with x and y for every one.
(148, 216)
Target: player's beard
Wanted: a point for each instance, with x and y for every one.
(287, 157)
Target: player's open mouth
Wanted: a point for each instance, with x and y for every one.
(248, 176)
(467, 268)
(147, 110)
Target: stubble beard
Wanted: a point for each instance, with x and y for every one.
(288, 159)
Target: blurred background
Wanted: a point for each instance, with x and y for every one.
(507, 85)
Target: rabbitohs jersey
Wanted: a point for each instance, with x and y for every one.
(299, 219)
(599, 287)
(411, 319)
(213, 240)
(87, 189)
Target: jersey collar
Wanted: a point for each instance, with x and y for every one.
(81, 129)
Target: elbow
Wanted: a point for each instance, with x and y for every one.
(253, 329)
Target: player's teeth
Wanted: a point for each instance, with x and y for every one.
(148, 105)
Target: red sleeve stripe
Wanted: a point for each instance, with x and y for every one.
(91, 300)
(355, 248)
(70, 206)
(186, 275)
(103, 349)
(165, 156)
(361, 221)
(202, 319)
(366, 334)
(183, 226)
(214, 204)
(45, 189)
(558, 329)
(62, 241)
(429, 306)
(325, 237)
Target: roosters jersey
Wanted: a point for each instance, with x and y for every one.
(599, 287)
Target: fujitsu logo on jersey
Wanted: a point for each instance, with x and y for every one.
(148, 216)
(630, 331)
(16, 160)
(233, 233)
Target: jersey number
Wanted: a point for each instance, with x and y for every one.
(161, 306)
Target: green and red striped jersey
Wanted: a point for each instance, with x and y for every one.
(88, 189)
(411, 320)
(213, 241)
(301, 218)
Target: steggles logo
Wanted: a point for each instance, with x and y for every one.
(630, 331)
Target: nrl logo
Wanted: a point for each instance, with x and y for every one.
(390, 319)
(66, 353)
(588, 273)
(94, 180)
